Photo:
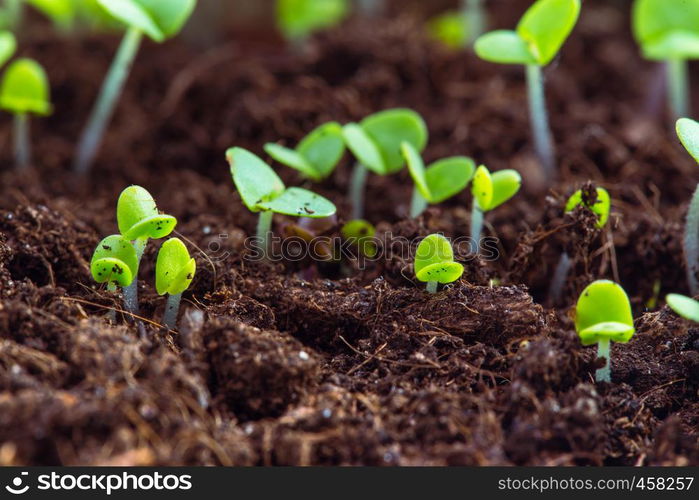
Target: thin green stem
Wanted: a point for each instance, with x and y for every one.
(475, 19)
(432, 287)
(559, 277)
(171, 309)
(418, 204)
(476, 227)
(264, 230)
(131, 291)
(691, 243)
(539, 119)
(604, 374)
(109, 95)
(23, 150)
(678, 87)
(357, 186)
(111, 315)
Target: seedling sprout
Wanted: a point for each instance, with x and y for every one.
(489, 192)
(139, 220)
(263, 191)
(438, 182)
(361, 234)
(459, 28)
(669, 31)
(174, 271)
(603, 314)
(298, 19)
(114, 262)
(684, 306)
(434, 262)
(159, 20)
(316, 156)
(24, 90)
(376, 144)
(539, 36)
(688, 132)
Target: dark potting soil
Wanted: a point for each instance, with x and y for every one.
(297, 363)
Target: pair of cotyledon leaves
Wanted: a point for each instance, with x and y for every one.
(603, 312)
(601, 207)
(24, 87)
(539, 35)
(158, 19)
(434, 260)
(667, 29)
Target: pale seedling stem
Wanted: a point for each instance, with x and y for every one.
(678, 87)
(604, 374)
(539, 119)
(170, 316)
(23, 155)
(357, 186)
(418, 204)
(476, 227)
(691, 242)
(264, 229)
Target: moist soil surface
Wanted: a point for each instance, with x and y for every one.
(299, 363)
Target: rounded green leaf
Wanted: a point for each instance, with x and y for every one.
(300, 18)
(138, 216)
(158, 19)
(25, 88)
(506, 183)
(416, 167)
(292, 159)
(603, 302)
(546, 26)
(448, 177)
(684, 306)
(688, 132)
(114, 261)
(675, 45)
(450, 28)
(323, 148)
(390, 128)
(255, 181)
(445, 272)
(666, 29)
(364, 148)
(300, 203)
(361, 233)
(601, 206)
(434, 249)
(503, 47)
(133, 15)
(482, 188)
(8, 46)
(174, 268)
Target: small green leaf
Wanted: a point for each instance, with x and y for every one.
(482, 188)
(323, 148)
(388, 129)
(675, 45)
(25, 88)
(434, 249)
(506, 184)
(174, 268)
(666, 29)
(255, 180)
(448, 177)
(292, 159)
(688, 132)
(300, 18)
(133, 15)
(114, 261)
(601, 206)
(504, 47)
(364, 148)
(450, 28)
(684, 306)
(444, 272)
(138, 216)
(361, 233)
(156, 18)
(546, 25)
(8, 46)
(416, 167)
(300, 203)
(603, 303)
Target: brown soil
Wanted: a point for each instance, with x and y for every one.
(290, 364)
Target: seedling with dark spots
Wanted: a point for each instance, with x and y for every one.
(114, 262)
(489, 192)
(603, 314)
(316, 156)
(434, 262)
(174, 272)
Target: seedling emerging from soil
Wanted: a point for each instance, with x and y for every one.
(361, 233)
(684, 306)
(316, 156)
(263, 191)
(669, 31)
(24, 90)
(688, 132)
(539, 36)
(438, 182)
(139, 220)
(376, 143)
(159, 20)
(174, 271)
(459, 29)
(298, 19)
(603, 314)
(115, 263)
(434, 262)
(489, 192)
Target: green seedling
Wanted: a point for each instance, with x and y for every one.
(114, 262)
(489, 192)
(316, 156)
(601, 207)
(299, 19)
(603, 314)
(434, 262)
(438, 182)
(263, 191)
(459, 28)
(539, 36)
(24, 90)
(11, 14)
(376, 144)
(684, 306)
(8, 46)
(361, 234)
(139, 220)
(157, 19)
(669, 31)
(688, 132)
(174, 272)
